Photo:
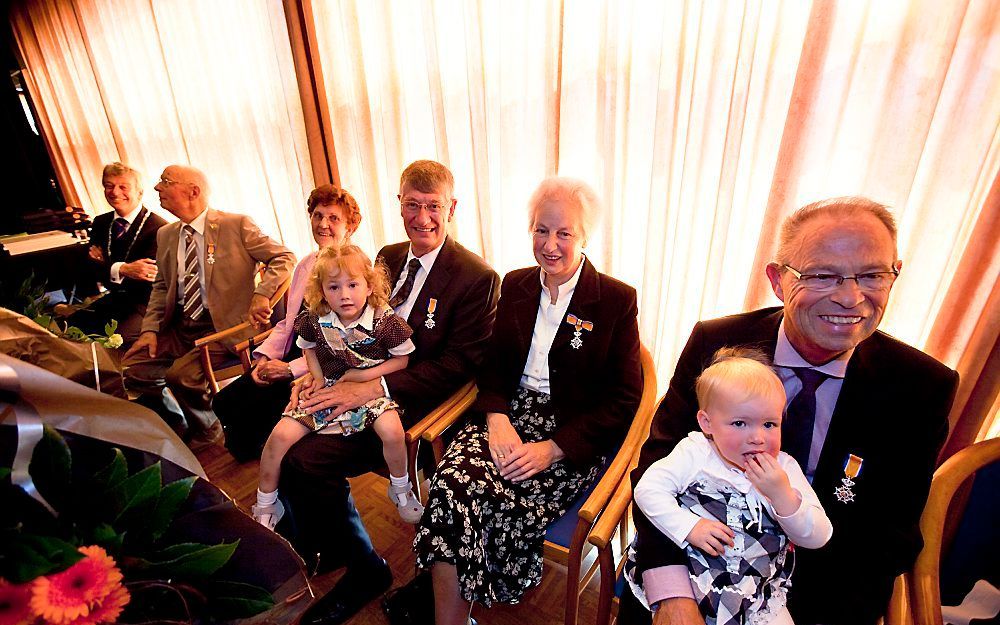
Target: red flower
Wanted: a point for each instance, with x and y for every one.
(15, 604)
(64, 597)
(107, 610)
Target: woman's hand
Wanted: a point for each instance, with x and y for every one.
(268, 371)
(531, 458)
(297, 390)
(711, 536)
(503, 438)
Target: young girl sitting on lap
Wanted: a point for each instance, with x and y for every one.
(347, 332)
(731, 499)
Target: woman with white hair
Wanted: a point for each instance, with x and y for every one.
(557, 394)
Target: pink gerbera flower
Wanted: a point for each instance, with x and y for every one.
(15, 604)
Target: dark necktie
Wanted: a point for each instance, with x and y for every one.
(119, 227)
(797, 427)
(192, 288)
(412, 268)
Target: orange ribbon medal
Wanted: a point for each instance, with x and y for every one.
(578, 326)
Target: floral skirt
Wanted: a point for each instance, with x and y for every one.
(492, 529)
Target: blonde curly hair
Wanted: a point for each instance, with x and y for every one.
(350, 259)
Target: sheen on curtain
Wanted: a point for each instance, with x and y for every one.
(703, 124)
(209, 84)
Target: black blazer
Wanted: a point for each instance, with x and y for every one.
(135, 244)
(447, 354)
(892, 412)
(595, 388)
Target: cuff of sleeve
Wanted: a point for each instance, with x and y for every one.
(116, 276)
(799, 512)
(385, 387)
(667, 582)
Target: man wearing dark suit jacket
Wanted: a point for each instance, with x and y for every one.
(878, 417)
(448, 295)
(123, 249)
(207, 261)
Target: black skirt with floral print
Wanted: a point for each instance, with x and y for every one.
(492, 529)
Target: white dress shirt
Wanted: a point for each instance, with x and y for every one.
(536, 368)
(116, 276)
(426, 262)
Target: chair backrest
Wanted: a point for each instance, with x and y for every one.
(925, 580)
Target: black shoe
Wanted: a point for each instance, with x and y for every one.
(411, 603)
(354, 591)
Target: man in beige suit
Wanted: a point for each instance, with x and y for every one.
(207, 262)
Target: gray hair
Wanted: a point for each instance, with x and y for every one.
(121, 169)
(571, 192)
(839, 208)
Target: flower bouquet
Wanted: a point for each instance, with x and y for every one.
(107, 520)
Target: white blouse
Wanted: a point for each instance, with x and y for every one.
(536, 368)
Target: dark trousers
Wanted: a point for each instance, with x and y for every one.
(631, 611)
(248, 413)
(314, 483)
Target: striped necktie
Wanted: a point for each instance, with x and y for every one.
(404, 291)
(192, 288)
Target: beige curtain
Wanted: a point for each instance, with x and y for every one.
(702, 124)
(210, 84)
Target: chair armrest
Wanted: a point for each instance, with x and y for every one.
(420, 427)
(604, 529)
(450, 415)
(253, 341)
(221, 334)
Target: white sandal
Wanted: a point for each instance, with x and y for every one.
(269, 515)
(407, 504)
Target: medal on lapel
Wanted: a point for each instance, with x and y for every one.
(210, 257)
(852, 468)
(431, 309)
(579, 325)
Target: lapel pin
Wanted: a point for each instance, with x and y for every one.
(431, 309)
(579, 325)
(852, 468)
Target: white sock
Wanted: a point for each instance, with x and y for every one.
(266, 499)
(400, 482)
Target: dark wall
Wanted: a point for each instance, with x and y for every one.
(28, 179)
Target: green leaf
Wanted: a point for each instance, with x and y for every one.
(106, 536)
(4, 473)
(170, 500)
(188, 560)
(29, 556)
(138, 490)
(50, 468)
(110, 327)
(112, 475)
(231, 600)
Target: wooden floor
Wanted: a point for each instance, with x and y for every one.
(392, 538)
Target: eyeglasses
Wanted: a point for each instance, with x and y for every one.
(413, 206)
(168, 182)
(870, 281)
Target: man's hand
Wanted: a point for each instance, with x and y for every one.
(96, 253)
(711, 536)
(766, 474)
(531, 458)
(342, 396)
(678, 611)
(503, 438)
(146, 340)
(267, 371)
(142, 269)
(260, 311)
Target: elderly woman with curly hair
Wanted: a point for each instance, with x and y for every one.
(557, 394)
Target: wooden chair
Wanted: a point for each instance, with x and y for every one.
(240, 363)
(614, 521)
(917, 598)
(566, 538)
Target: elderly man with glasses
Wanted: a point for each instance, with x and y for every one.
(207, 263)
(866, 417)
